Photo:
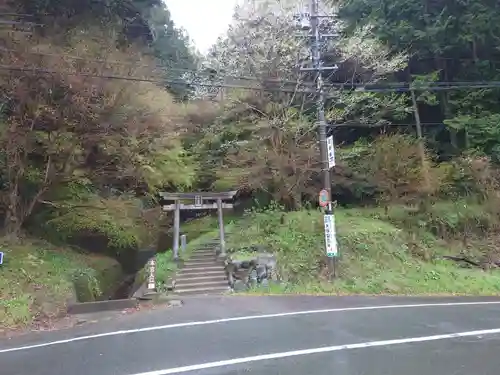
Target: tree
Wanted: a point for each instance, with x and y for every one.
(266, 139)
(458, 40)
(144, 23)
(67, 127)
(171, 47)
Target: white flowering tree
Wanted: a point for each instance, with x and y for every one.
(266, 139)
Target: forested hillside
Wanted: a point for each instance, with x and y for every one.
(90, 129)
(446, 53)
(104, 103)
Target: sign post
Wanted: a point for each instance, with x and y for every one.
(329, 218)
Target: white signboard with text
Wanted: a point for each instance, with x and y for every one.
(331, 152)
(330, 236)
(152, 274)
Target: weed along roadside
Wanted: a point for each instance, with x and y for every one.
(38, 279)
(398, 252)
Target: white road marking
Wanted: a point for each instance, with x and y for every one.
(295, 353)
(243, 318)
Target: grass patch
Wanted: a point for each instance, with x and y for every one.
(379, 254)
(36, 280)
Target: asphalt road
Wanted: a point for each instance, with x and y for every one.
(275, 335)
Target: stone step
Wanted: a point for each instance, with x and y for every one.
(187, 284)
(202, 270)
(206, 257)
(204, 252)
(202, 264)
(202, 291)
(209, 275)
(195, 278)
(207, 247)
(200, 257)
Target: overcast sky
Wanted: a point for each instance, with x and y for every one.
(204, 20)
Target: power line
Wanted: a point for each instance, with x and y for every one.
(22, 23)
(138, 64)
(395, 89)
(138, 79)
(353, 124)
(19, 15)
(346, 125)
(361, 87)
(387, 87)
(463, 59)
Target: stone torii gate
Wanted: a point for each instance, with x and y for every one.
(199, 201)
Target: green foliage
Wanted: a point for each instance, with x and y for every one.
(483, 132)
(445, 219)
(118, 220)
(37, 280)
(171, 47)
(86, 285)
(448, 43)
(377, 256)
(427, 97)
(174, 167)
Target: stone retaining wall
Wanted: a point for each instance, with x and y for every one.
(258, 270)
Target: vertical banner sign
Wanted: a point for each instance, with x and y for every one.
(330, 237)
(1, 257)
(331, 152)
(198, 201)
(152, 272)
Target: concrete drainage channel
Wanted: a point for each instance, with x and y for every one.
(139, 297)
(202, 274)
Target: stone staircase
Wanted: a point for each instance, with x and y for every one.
(202, 274)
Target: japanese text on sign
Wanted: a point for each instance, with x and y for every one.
(331, 152)
(330, 237)
(152, 272)
(198, 202)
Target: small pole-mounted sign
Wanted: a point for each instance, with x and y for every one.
(1, 257)
(324, 198)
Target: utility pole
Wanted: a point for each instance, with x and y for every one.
(311, 22)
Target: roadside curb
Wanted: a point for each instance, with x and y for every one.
(160, 298)
(99, 306)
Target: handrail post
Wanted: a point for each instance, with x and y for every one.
(177, 228)
(183, 244)
(222, 240)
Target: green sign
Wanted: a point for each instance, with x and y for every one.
(324, 198)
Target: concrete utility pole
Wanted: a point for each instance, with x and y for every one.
(311, 22)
